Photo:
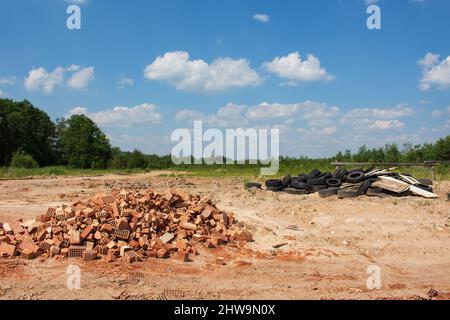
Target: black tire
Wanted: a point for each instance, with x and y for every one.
(328, 192)
(334, 183)
(315, 173)
(274, 183)
(376, 192)
(300, 185)
(355, 177)
(340, 173)
(251, 185)
(320, 180)
(355, 170)
(286, 180)
(319, 187)
(302, 177)
(424, 187)
(426, 182)
(364, 186)
(347, 193)
(275, 189)
(295, 191)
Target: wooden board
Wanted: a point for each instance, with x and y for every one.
(391, 184)
(420, 192)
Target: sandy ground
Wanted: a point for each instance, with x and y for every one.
(330, 245)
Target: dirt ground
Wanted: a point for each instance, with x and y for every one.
(330, 243)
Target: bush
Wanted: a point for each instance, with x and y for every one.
(22, 160)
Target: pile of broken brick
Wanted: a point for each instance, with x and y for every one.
(127, 225)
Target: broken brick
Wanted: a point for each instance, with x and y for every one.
(6, 249)
(89, 255)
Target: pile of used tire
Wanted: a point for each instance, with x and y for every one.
(343, 183)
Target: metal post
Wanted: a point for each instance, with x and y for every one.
(433, 173)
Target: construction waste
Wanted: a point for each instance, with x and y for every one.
(352, 183)
(123, 224)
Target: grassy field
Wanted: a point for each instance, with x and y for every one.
(233, 170)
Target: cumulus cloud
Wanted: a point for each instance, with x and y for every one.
(81, 78)
(145, 113)
(434, 72)
(39, 79)
(178, 69)
(7, 81)
(3, 94)
(263, 18)
(294, 69)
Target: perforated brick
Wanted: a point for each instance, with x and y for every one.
(76, 251)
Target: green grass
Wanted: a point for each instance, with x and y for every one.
(12, 173)
(233, 170)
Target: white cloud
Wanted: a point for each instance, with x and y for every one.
(434, 73)
(315, 115)
(429, 60)
(81, 78)
(294, 69)
(437, 113)
(317, 129)
(122, 116)
(387, 124)
(7, 81)
(377, 118)
(231, 115)
(125, 82)
(39, 79)
(198, 76)
(3, 94)
(263, 18)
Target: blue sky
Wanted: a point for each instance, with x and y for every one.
(141, 69)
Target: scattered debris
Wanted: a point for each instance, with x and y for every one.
(279, 245)
(432, 293)
(353, 183)
(131, 225)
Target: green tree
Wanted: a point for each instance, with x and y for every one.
(82, 143)
(22, 126)
(442, 149)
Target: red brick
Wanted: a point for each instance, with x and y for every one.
(27, 254)
(106, 228)
(86, 231)
(188, 226)
(6, 249)
(89, 255)
(162, 253)
(75, 237)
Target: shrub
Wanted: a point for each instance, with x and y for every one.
(22, 160)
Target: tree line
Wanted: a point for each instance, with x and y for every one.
(29, 138)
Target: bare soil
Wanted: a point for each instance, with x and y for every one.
(328, 246)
